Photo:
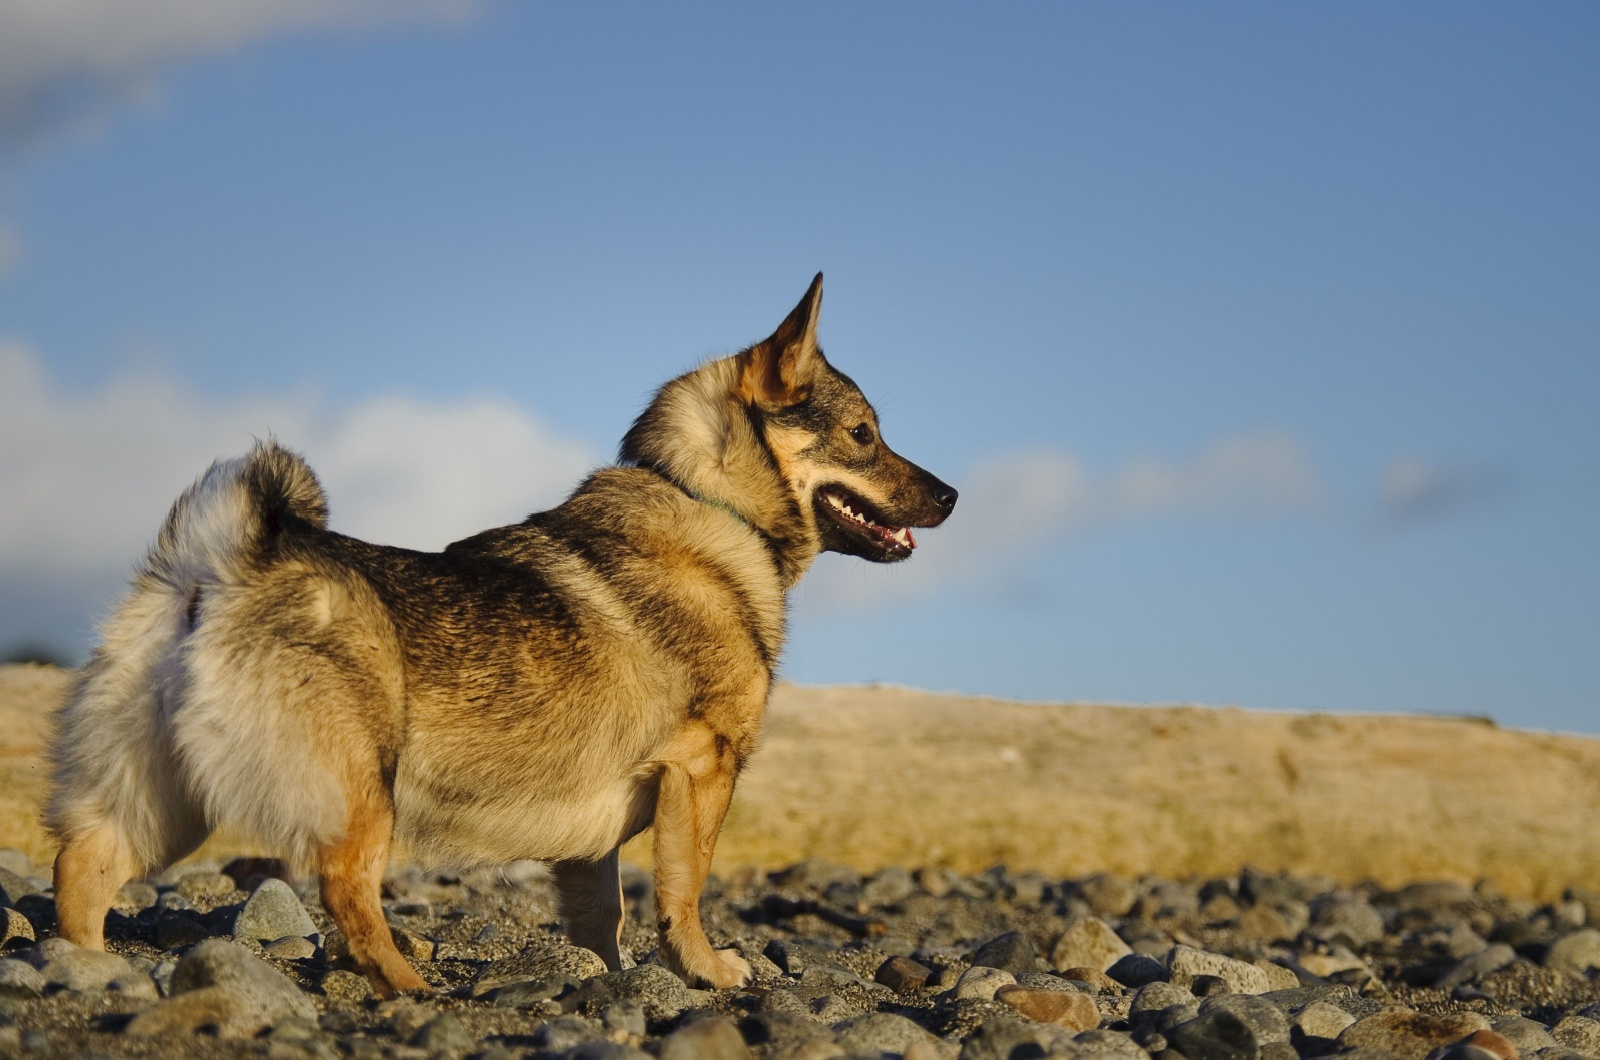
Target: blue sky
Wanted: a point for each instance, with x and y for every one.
(1261, 339)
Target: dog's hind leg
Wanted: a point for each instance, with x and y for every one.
(697, 774)
(350, 870)
(591, 904)
(90, 869)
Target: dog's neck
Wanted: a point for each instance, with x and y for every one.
(698, 435)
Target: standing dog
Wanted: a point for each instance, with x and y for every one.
(545, 690)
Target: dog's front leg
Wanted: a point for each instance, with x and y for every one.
(591, 904)
(697, 775)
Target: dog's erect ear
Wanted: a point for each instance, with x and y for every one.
(778, 372)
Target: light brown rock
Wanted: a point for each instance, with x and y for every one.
(1088, 942)
(1407, 1034)
(1064, 1008)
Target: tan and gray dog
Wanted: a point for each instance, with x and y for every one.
(545, 690)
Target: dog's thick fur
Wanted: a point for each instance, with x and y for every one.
(545, 690)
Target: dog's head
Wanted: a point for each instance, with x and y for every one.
(862, 498)
(779, 436)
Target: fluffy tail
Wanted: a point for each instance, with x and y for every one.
(228, 521)
(114, 763)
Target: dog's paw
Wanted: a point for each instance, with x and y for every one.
(728, 970)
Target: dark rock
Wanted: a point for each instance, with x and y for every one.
(565, 1032)
(903, 975)
(1474, 967)
(176, 931)
(1215, 1035)
(1266, 1021)
(881, 1032)
(1136, 970)
(1011, 952)
(443, 1033)
(1006, 1038)
(1208, 985)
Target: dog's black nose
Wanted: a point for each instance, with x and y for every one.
(944, 496)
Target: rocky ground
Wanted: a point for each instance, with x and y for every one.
(223, 960)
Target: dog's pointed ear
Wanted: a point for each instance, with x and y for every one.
(779, 371)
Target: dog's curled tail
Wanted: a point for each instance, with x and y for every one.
(228, 520)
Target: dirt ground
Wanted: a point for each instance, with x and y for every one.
(884, 775)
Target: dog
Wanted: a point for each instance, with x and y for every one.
(543, 691)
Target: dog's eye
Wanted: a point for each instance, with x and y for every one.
(861, 433)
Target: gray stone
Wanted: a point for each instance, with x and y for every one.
(1578, 1032)
(292, 948)
(1345, 918)
(715, 1038)
(1153, 997)
(780, 1032)
(14, 886)
(1184, 964)
(135, 898)
(20, 980)
(47, 950)
(1321, 1020)
(1088, 942)
(1005, 1038)
(220, 985)
(662, 994)
(1215, 1035)
(537, 963)
(1475, 966)
(890, 886)
(1527, 1035)
(443, 1033)
(601, 1050)
(564, 1032)
(625, 1017)
(980, 983)
(91, 971)
(1575, 953)
(1136, 970)
(273, 912)
(1108, 1045)
(1011, 952)
(1265, 1020)
(882, 1032)
(534, 992)
(207, 887)
(1107, 895)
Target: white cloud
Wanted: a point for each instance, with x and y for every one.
(87, 479)
(1012, 504)
(1415, 490)
(63, 59)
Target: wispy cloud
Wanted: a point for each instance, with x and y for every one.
(1418, 491)
(1012, 504)
(87, 479)
(63, 62)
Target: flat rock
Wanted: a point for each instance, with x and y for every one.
(90, 971)
(883, 1032)
(1064, 1008)
(539, 963)
(1184, 964)
(443, 1034)
(222, 986)
(1088, 942)
(1407, 1034)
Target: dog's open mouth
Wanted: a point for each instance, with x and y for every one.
(861, 519)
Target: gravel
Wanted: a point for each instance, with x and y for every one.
(924, 963)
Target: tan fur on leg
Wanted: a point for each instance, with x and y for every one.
(591, 904)
(91, 867)
(696, 786)
(351, 872)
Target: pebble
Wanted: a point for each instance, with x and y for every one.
(662, 994)
(19, 979)
(1345, 918)
(220, 985)
(1185, 963)
(206, 887)
(346, 988)
(1575, 953)
(443, 1033)
(1475, 966)
(15, 928)
(903, 975)
(291, 948)
(1409, 1035)
(1215, 1035)
(1088, 942)
(539, 963)
(272, 912)
(1011, 952)
(1006, 1038)
(1135, 970)
(980, 983)
(1266, 1021)
(1319, 1019)
(1579, 1033)
(1065, 1008)
(89, 971)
